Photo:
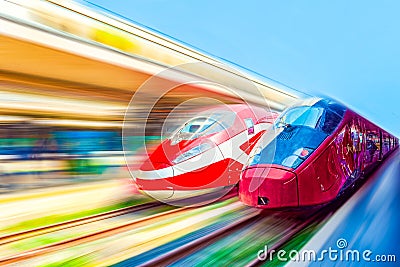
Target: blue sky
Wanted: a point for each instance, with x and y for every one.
(349, 50)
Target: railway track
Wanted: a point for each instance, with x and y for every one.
(187, 249)
(13, 237)
(300, 220)
(171, 257)
(316, 217)
(6, 239)
(289, 234)
(81, 239)
(30, 254)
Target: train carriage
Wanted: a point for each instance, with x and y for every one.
(206, 153)
(316, 150)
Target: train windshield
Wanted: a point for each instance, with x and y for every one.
(199, 125)
(317, 117)
(298, 132)
(303, 116)
(205, 124)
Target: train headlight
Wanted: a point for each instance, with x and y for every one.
(294, 160)
(303, 152)
(192, 152)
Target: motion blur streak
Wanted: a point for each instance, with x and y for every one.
(66, 77)
(67, 74)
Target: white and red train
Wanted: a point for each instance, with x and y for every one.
(316, 150)
(204, 154)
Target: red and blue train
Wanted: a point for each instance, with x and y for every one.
(316, 150)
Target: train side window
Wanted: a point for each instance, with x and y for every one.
(387, 141)
(250, 125)
(330, 121)
(372, 143)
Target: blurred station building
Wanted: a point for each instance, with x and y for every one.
(68, 71)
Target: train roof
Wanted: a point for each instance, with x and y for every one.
(322, 102)
(234, 107)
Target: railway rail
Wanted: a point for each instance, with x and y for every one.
(29, 254)
(9, 238)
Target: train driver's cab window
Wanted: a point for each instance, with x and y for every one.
(316, 117)
(300, 116)
(249, 125)
(205, 124)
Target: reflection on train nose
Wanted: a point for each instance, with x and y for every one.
(166, 194)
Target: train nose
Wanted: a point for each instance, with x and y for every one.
(268, 187)
(156, 180)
